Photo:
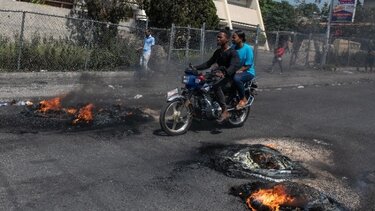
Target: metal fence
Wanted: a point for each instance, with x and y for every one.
(307, 50)
(32, 41)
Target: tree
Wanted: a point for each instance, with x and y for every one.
(308, 10)
(162, 13)
(325, 11)
(308, 17)
(112, 11)
(105, 10)
(278, 15)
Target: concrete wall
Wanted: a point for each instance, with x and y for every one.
(24, 6)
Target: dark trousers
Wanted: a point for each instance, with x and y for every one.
(218, 89)
(279, 61)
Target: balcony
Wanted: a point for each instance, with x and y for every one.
(237, 14)
(68, 4)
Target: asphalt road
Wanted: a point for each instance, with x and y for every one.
(329, 129)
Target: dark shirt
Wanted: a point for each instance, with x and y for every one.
(229, 59)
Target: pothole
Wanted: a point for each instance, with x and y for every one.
(244, 161)
(284, 196)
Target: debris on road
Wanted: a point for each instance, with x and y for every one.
(138, 96)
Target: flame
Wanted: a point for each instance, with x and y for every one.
(50, 105)
(71, 111)
(271, 145)
(272, 198)
(85, 114)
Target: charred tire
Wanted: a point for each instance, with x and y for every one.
(175, 117)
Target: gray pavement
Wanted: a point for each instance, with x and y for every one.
(326, 127)
(21, 86)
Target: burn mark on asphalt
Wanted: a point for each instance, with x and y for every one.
(247, 161)
(27, 119)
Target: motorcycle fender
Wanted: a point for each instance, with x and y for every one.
(174, 97)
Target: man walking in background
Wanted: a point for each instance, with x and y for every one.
(148, 42)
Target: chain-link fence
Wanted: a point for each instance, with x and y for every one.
(307, 50)
(354, 51)
(32, 41)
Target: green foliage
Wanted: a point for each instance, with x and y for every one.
(109, 11)
(8, 54)
(278, 15)
(307, 10)
(324, 11)
(47, 53)
(162, 13)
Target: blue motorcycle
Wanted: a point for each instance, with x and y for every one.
(196, 100)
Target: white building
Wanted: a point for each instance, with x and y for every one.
(240, 14)
(235, 14)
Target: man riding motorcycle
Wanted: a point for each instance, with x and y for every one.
(228, 62)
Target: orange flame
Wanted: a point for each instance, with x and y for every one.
(71, 111)
(85, 114)
(50, 105)
(270, 145)
(273, 198)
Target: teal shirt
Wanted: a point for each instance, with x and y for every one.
(246, 54)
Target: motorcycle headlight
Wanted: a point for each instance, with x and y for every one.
(185, 79)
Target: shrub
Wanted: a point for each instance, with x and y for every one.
(53, 54)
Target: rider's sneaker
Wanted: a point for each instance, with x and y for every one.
(241, 104)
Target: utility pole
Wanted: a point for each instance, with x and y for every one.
(328, 33)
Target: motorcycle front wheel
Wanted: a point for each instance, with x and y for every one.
(175, 118)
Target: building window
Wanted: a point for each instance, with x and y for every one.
(243, 3)
(56, 3)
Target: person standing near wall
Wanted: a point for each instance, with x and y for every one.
(148, 42)
(370, 59)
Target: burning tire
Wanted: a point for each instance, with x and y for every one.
(175, 118)
(284, 196)
(249, 161)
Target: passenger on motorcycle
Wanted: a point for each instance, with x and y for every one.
(247, 71)
(228, 62)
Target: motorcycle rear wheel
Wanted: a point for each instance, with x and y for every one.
(175, 118)
(238, 118)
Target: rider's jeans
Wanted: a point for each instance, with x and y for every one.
(239, 79)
